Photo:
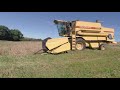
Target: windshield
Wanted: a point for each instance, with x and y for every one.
(61, 29)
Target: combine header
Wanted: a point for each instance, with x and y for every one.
(77, 35)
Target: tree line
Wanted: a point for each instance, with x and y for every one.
(13, 35)
(10, 34)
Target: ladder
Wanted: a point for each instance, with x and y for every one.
(73, 40)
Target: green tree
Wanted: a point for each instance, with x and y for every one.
(4, 32)
(15, 35)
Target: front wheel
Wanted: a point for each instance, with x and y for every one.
(80, 44)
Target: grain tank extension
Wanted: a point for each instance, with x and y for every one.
(77, 35)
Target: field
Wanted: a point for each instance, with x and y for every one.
(17, 60)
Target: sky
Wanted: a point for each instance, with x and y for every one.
(40, 24)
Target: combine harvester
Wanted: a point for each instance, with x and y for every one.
(77, 35)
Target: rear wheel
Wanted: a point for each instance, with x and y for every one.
(80, 44)
(102, 47)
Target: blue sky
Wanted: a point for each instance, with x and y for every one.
(40, 24)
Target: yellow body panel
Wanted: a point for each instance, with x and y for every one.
(107, 29)
(90, 38)
(60, 44)
(94, 44)
(90, 29)
(101, 38)
(81, 25)
(90, 24)
(92, 34)
(94, 38)
(62, 48)
(93, 31)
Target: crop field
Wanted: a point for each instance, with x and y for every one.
(17, 60)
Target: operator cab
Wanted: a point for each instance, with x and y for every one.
(63, 27)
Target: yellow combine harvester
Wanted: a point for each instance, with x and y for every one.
(77, 35)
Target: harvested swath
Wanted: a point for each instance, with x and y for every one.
(19, 48)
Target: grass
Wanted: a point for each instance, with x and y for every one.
(19, 48)
(75, 64)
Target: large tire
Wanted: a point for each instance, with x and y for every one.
(80, 44)
(102, 47)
